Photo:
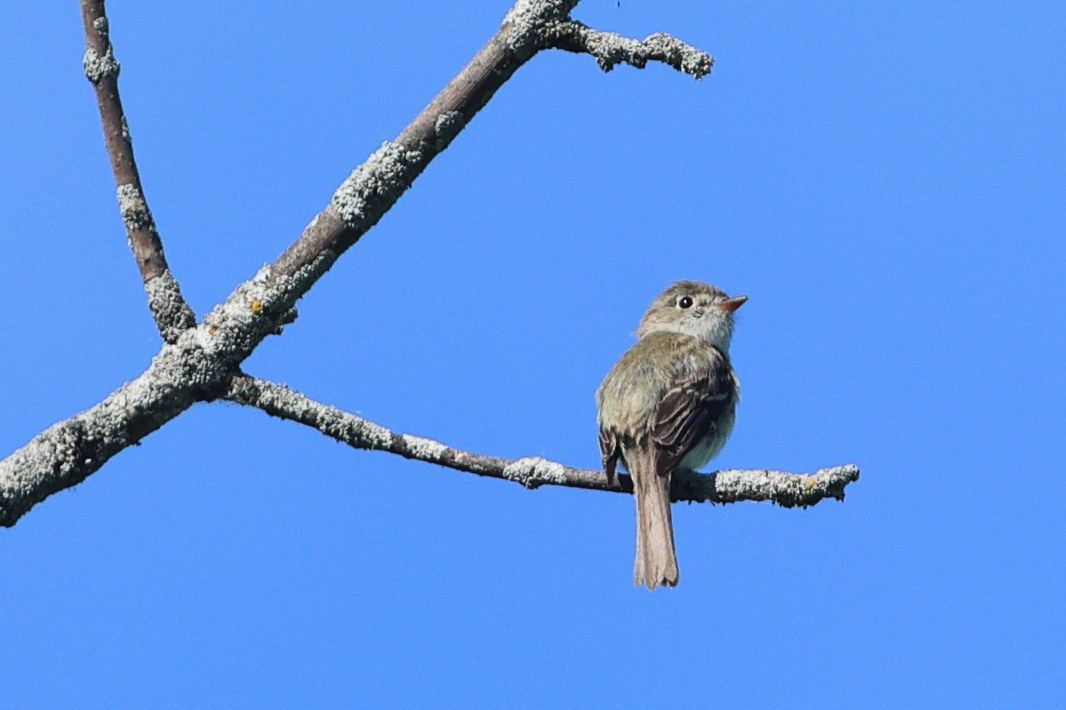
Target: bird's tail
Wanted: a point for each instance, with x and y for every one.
(656, 561)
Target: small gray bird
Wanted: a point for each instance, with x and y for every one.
(668, 404)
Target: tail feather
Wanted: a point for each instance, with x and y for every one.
(656, 560)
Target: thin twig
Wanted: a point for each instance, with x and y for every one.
(785, 489)
(610, 49)
(169, 309)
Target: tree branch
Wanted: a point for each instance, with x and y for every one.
(372, 189)
(66, 453)
(168, 307)
(201, 362)
(785, 489)
(375, 186)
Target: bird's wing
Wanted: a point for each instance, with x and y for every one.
(610, 450)
(692, 406)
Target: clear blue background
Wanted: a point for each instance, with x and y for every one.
(885, 181)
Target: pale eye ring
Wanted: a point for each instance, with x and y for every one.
(684, 302)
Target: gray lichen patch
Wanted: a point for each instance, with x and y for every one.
(257, 308)
(529, 21)
(361, 199)
(286, 289)
(534, 471)
(424, 449)
(97, 67)
(790, 490)
(611, 49)
(679, 55)
(172, 314)
(133, 208)
(447, 126)
(360, 430)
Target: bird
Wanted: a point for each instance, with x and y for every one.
(669, 405)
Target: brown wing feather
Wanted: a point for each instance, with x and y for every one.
(610, 450)
(688, 412)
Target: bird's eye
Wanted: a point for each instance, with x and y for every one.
(684, 302)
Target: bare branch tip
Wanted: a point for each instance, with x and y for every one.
(610, 49)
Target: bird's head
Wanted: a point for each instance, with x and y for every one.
(693, 308)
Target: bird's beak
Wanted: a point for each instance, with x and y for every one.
(732, 304)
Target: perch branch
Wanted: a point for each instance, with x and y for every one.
(786, 489)
(171, 313)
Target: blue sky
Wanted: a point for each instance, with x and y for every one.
(884, 181)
